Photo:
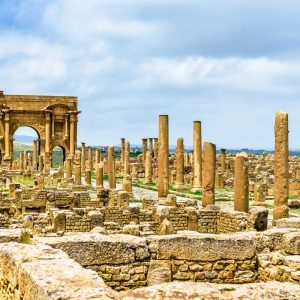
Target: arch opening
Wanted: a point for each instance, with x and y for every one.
(23, 140)
(58, 156)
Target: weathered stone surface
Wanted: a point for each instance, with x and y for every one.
(159, 272)
(113, 249)
(291, 243)
(10, 235)
(49, 273)
(191, 290)
(288, 223)
(206, 247)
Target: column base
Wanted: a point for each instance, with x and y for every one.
(197, 189)
(179, 186)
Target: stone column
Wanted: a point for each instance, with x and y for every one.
(35, 155)
(144, 149)
(209, 172)
(197, 157)
(47, 132)
(21, 158)
(127, 183)
(41, 164)
(53, 128)
(223, 160)
(127, 159)
(66, 126)
(99, 175)
(111, 167)
(2, 130)
(155, 147)
(90, 158)
(163, 157)
(241, 183)
(88, 177)
(72, 134)
(68, 165)
(6, 135)
(151, 146)
(122, 149)
(281, 167)
(98, 156)
(148, 168)
(83, 155)
(25, 157)
(179, 185)
(77, 167)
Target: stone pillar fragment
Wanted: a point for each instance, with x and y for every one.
(148, 168)
(197, 156)
(127, 183)
(77, 167)
(111, 168)
(179, 185)
(223, 160)
(155, 147)
(90, 158)
(151, 146)
(41, 164)
(68, 165)
(127, 159)
(281, 167)
(209, 171)
(83, 155)
(163, 157)
(144, 149)
(122, 149)
(98, 156)
(241, 183)
(99, 176)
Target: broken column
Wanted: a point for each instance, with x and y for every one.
(83, 156)
(179, 184)
(197, 157)
(97, 156)
(126, 159)
(209, 171)
(223, 160)
(90, 159)
(77, 167)
(111, 167)
(281, 168)
(148, 168)
(41, 164)
(163, 157)
(241, 183)
(99, 176)
(151, 146)
(122, 149)
(155, 147)
(127, 183)
(144, 149)
(68, 165)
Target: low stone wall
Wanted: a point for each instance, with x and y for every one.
(126, 261)
(40, 272)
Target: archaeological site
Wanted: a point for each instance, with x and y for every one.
(111, 223)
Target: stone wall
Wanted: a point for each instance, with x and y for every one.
(125, 261)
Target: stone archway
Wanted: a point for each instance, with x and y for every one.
(53, 117)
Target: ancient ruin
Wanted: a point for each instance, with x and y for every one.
(160, 224)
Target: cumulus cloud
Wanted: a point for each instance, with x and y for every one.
(231, 65)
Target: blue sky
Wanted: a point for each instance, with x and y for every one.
(231, 64)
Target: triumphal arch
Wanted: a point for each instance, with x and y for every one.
(54, 118)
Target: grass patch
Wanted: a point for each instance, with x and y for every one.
(23, 180)
(25, 237)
